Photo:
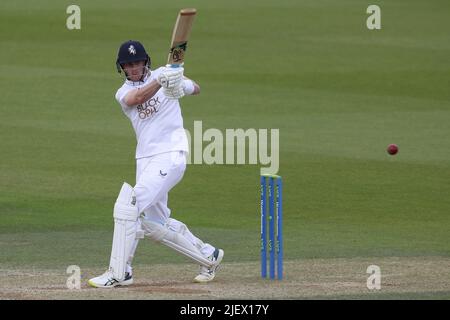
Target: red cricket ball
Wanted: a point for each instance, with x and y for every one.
(392, 149)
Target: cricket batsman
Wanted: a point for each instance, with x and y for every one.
(150, 99)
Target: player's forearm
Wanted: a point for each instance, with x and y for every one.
(196, 88)
(139, 96)
(191, 87)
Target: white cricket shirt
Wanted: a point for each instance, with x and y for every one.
(158, 122)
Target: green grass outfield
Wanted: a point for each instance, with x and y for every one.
(338, 92)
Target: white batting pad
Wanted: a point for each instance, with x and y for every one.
(174, 240)
(125, 217)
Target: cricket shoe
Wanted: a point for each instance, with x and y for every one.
(208, 274)
(107, 280)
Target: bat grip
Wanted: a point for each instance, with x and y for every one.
(174, 65)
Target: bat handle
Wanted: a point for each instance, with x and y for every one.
(174, 65)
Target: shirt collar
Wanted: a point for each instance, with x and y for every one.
(139, 83)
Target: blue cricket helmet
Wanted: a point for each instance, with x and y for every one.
(131, 51)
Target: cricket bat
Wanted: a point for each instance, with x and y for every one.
(180, 37)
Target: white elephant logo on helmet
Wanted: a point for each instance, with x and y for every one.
(132, 50)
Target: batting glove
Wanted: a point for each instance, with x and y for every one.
(170, 77)
(174, 93)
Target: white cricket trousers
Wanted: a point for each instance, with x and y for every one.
(155, 177)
